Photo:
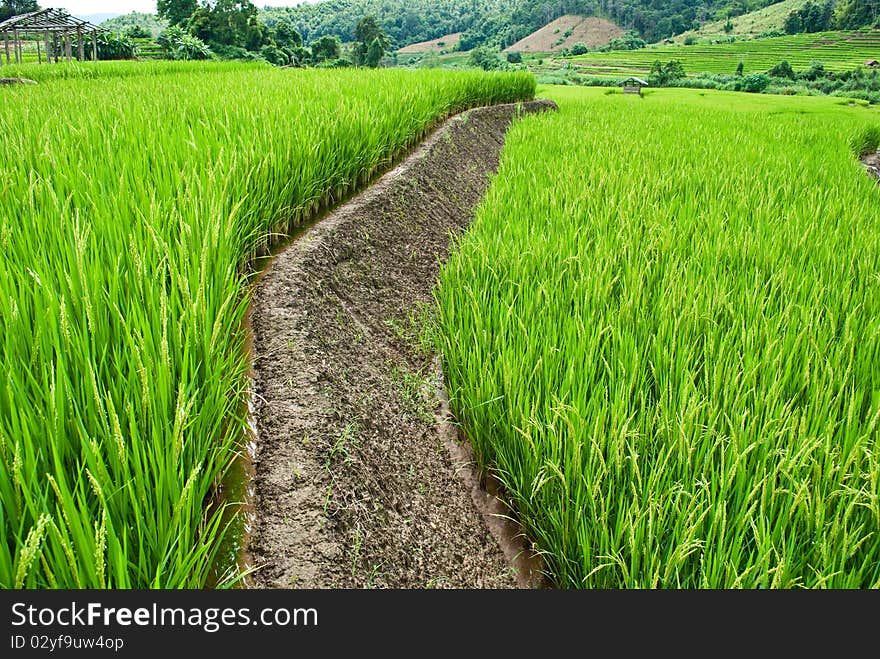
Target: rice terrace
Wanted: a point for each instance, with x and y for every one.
(363, 296)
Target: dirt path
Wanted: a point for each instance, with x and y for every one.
(871, 161)
(356, 484)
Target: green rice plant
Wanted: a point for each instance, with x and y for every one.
(129, 207)
(119, 69)
(662, 333)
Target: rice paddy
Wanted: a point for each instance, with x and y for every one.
(838, 51)
(662, 333)
(129, 207)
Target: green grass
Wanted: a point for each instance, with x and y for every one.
(839, 51)
(663, 333)
(128, 206)
(121, 69)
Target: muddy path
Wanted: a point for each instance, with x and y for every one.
(360, 480)
(871, 161)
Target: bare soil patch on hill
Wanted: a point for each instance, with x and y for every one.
(591, 31)
(446, 42)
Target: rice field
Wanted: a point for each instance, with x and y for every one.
(838, 51)
(129, 206)
(102, 70)
(662, 333)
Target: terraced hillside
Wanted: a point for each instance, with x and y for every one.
(838, 51)
(750, 25)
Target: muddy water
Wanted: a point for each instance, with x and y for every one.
(488, 496)
(235, 495)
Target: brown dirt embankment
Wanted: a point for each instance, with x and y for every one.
(871, 161)
(357, 484)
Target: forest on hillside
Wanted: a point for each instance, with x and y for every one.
(500, 22)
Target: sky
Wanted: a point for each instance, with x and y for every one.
(88, 7)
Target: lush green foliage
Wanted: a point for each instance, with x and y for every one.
(325, 48)
(629, 41)
(229, 27)
(148, 22)
(663, 74)
(812, 17)
(852, 14)
(176, 12)
(371, 42)
(485, 58)
(9, 8)
(782, 70)
(111, 46)
(124, 223)
(178, 44)
(494, 22)
(663, 333)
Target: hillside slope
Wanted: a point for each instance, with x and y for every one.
(566, 31)
(446, 42)
(838, 51)
(502, 23)
(752, 24)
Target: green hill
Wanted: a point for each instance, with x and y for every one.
(495, 22)
(838, 51)
(149, 22)
(751, 25)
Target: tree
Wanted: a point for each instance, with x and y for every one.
(374, 53)
(111, 46)
(274, 55)
(515, 57)
(665, 74)
(137, 32)
(366, 33)
(229, 23)
(484, 58)
(325, 48)
(286, 36)
(793, 24)
(629, 41)
(782, 70)
(179, 44)
(852, 14)
(755, 83)
(10, 8)
(176, 11)
(816, 71)
(739, 69)
(579, 48)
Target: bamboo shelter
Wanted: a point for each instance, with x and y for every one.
(55, 32)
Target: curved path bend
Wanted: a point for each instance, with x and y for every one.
(360, 480)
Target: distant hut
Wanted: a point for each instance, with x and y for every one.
(633, 86)
(872, 63)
